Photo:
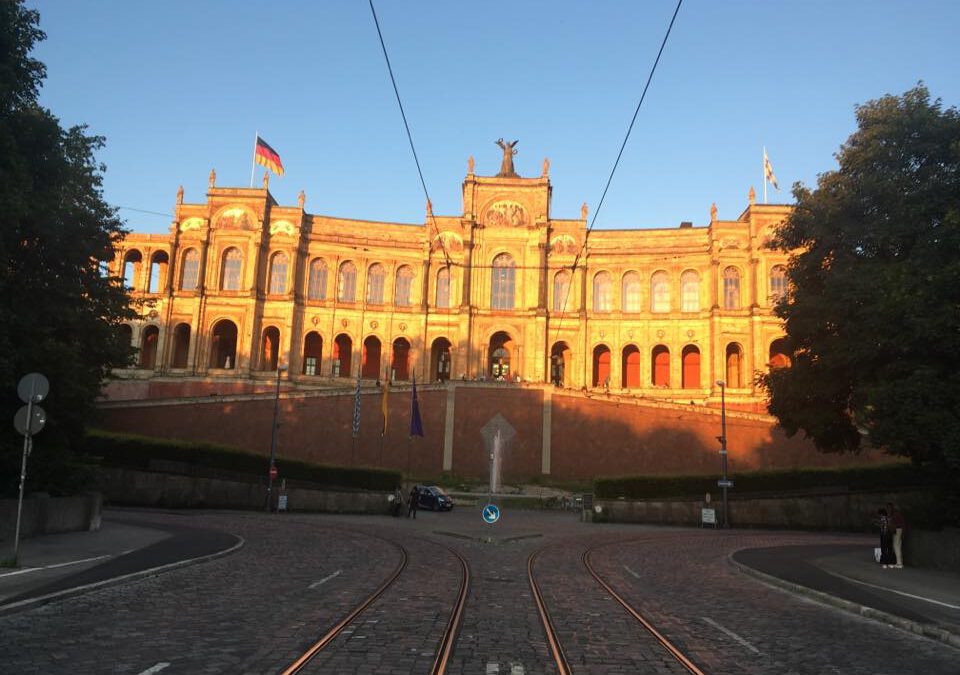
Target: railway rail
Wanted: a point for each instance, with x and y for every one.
(553, 640)
(447, 640)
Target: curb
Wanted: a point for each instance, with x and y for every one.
(30, 603)
(925, 630)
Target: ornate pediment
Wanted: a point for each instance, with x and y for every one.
(506, 213)
(191, 224)
(282, 227)
(235, 217)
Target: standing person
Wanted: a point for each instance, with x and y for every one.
(414, 502)
(397, 502)
(887, 558)
(898, 524)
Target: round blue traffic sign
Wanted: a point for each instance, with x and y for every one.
(491, 514)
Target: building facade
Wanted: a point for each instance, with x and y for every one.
(242, 285)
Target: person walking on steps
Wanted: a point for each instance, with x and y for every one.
(899, 524)
(414, 502)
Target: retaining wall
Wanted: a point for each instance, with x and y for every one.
(145, 488)
(50, 515)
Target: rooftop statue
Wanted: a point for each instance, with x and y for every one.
(506, 167)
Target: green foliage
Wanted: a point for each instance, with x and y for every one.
(879, 477)
(58, 314)
(873, 314)
(140, 452)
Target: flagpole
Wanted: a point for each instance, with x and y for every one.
(764, 174)
(253, 164)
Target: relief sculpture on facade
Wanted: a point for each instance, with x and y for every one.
(235, 217)
(506, 214)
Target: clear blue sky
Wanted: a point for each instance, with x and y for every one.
(180, 87)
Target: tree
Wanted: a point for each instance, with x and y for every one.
(59, 313)
(873, 312)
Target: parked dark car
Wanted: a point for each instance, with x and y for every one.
(434, 498)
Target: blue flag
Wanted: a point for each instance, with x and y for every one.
(416, 424)
(356, 409)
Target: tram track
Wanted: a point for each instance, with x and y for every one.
(447, 640)
(553, 639)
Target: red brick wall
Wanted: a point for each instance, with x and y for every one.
(589, 437)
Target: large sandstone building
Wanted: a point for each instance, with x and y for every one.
(502, 290)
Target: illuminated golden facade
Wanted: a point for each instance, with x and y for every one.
(502, 291)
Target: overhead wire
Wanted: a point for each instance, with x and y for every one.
(616, 163)
(406, 126)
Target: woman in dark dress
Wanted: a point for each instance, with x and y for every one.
(887, 558)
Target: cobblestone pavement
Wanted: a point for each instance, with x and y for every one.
(257, 610)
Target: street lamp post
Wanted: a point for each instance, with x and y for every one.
(723, 448)
(273, 439)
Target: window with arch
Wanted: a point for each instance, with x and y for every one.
(443, 288)
(347, 283)
(502, 282)
(690, 291)
(190, 270)
(602, 292)
(376, 276)
(131, 268)
(631, 292)
(734, 354)
(778, 283)
(230, 270)
(660, 292)
(731, 288)
(278, 274)
(158, 271)
(317, 280)
(561, 290)
(401, 291)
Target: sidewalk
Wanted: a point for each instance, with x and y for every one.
(922, 601)
(59, 565)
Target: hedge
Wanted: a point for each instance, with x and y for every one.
(131, 451)
(878, 477)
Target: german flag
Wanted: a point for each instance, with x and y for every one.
(268, 157)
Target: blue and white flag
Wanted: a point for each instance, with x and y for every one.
(356, 409)
(416, 424)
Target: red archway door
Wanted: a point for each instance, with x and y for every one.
(661, 366)
(601, 365)
(401, 359)
(691, 367)
(631, 367)
(370, 362)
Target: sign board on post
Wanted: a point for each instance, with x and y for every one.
(282, 503)
(708, 517)
(725, 483)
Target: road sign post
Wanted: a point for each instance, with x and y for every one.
(28, 420)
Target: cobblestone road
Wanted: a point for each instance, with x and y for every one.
(257, 610)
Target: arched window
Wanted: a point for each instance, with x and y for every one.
(131, 268)
(342, 356)
(312, 353)
(158, 271)
(347, 283)
(401, 291)
(660, 292)
(602, 292)
(148, 347)
(502, 282)
(370, 358)
(278, 274)
(690, 376)
(778, 283)
(631, 292)
(401, 360)
(270, 349)
(230, 270)
(731, 288)
(561, 289)
(223, 345)
(661, 366)
(181, 345)
(601, 366)
(690, 291)
(631, 367)
(190, 270)
(317, 280)
(443, 288)
(734, 366)
(376, 276)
